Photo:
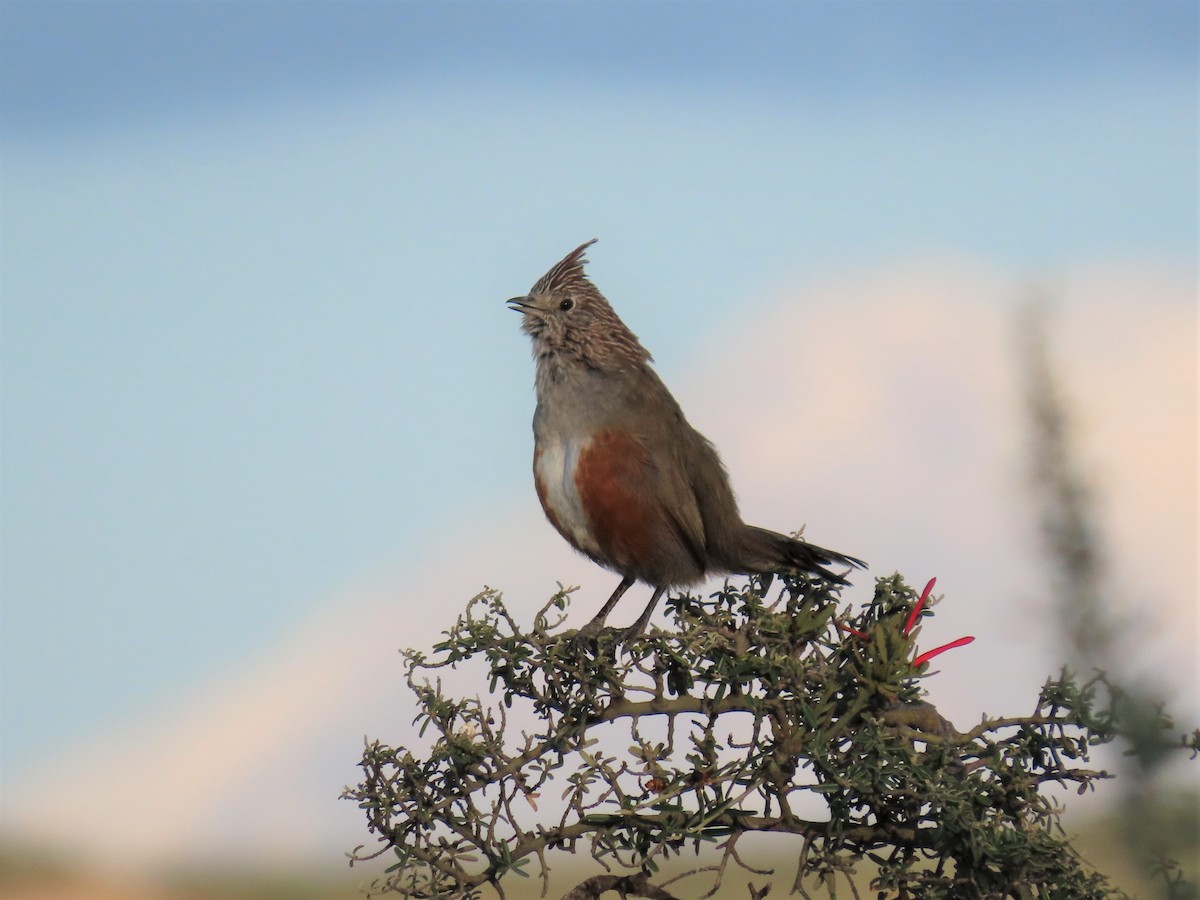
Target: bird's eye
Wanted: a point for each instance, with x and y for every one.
(567, 304)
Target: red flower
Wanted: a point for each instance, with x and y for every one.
(854, 631)
(916, 610)
(930, 654)
(910, 623)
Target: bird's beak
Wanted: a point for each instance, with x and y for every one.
(520, 304)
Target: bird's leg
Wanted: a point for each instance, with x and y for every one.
(644, 619)
(592, 628)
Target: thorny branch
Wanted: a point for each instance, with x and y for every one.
(754, 716)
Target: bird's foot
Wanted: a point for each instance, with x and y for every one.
(632, 633)
(591, 630)
(605, 638)
(589, 637)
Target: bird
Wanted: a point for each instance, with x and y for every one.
(619, 471)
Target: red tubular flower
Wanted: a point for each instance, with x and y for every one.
(930, 654)
(910, 623)
(854, 631)
(916, 610)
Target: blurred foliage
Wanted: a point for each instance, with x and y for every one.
(785, 716)
(1096, 637)
(33, 873)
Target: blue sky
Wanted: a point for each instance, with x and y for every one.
(82, 66)
(254, 258)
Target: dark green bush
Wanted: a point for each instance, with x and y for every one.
(788, 716)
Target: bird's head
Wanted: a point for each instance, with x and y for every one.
(568, 318)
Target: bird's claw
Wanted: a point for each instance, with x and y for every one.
(632, 633)
(590, 639)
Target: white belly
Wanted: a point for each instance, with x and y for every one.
(555, 473)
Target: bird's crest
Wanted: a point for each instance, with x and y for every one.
(566, 273)
(586, 330)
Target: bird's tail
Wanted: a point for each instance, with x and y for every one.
(763, 551)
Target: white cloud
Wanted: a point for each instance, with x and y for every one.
(881, 410)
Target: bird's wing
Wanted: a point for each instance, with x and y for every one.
(675, 494)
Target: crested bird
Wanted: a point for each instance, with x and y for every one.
(619, 471)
